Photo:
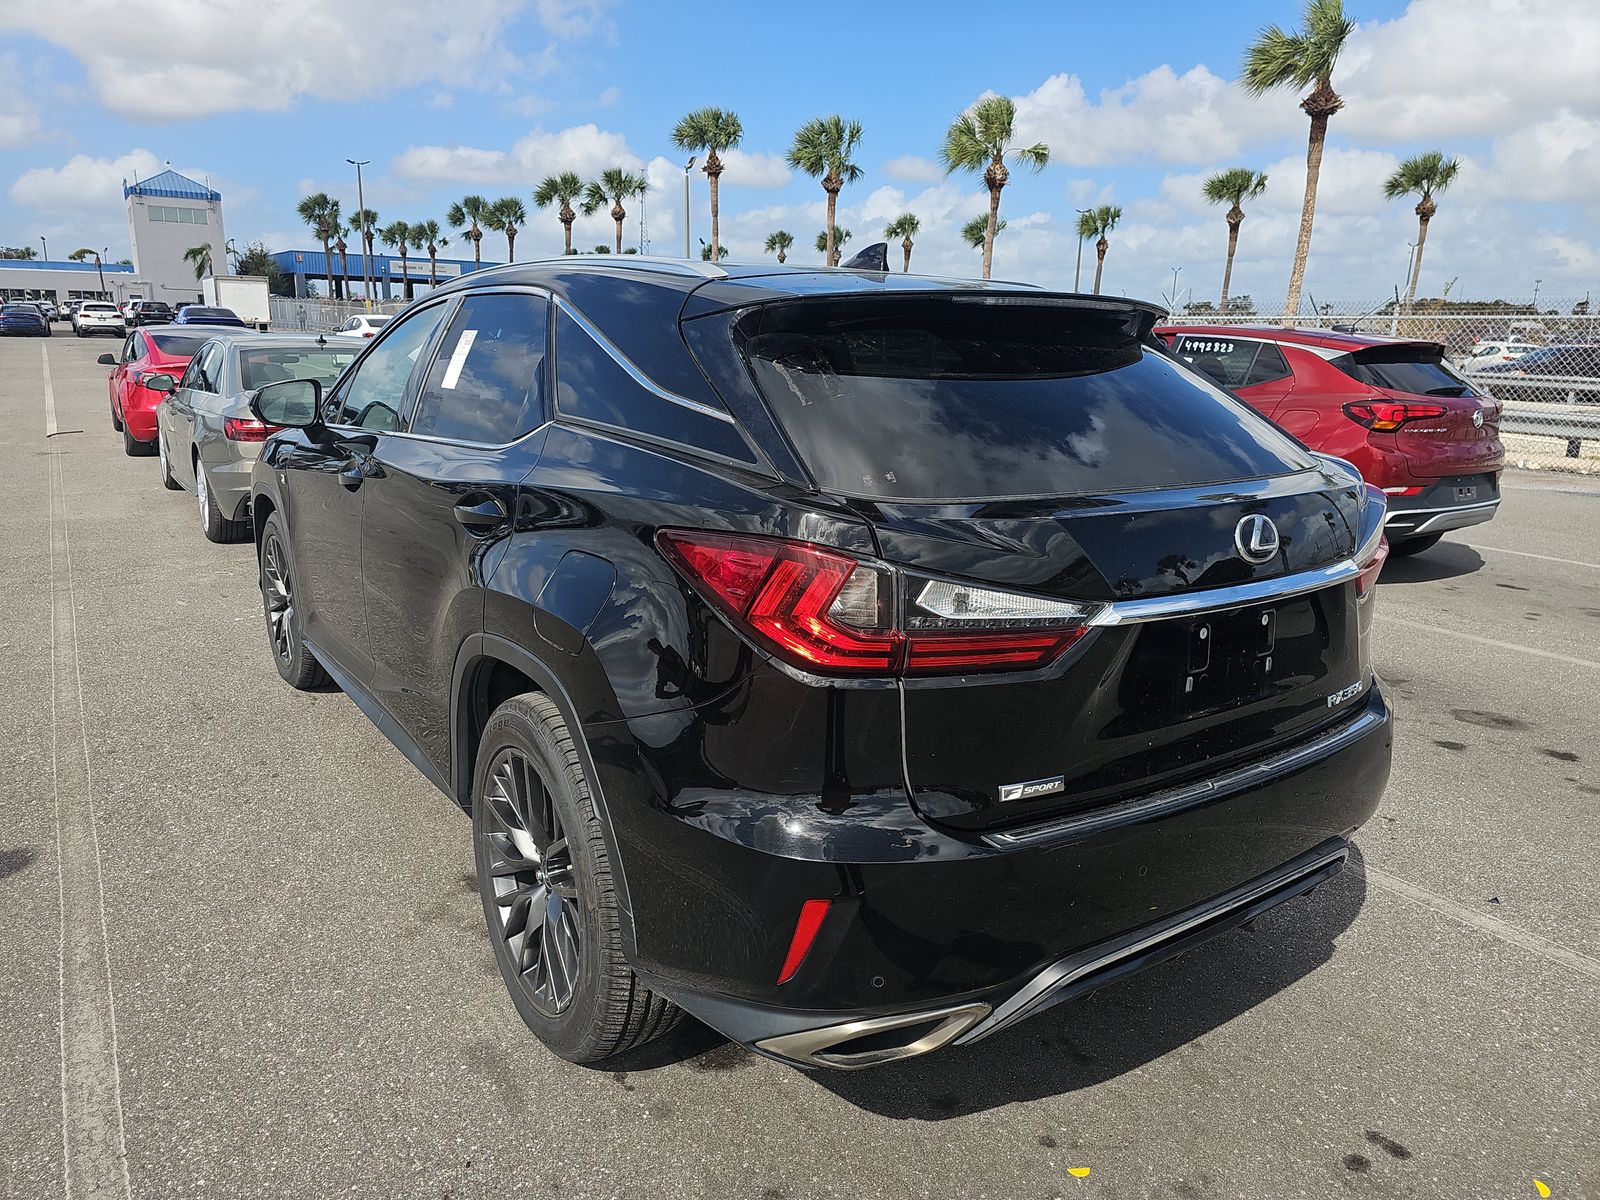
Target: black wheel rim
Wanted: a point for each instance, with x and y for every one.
(275, 591)
(534, 883)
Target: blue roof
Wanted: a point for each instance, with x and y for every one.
(170, 183)
(311, 262)
(40, 264)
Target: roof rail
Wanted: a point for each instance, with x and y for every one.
(671, 266)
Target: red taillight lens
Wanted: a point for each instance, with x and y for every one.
(246, 429)
(1385, 416)
(1370, 569)
(823, 610)
(805, 932)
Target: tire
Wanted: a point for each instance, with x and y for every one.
(80, 333)
(132, 446)
(574, 988)
(298, 667)
(213, 524)
(1414, 545)
(116, 421)
(167, 481)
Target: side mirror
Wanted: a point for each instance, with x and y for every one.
(159, 383)
(105, 360)
(294, 403)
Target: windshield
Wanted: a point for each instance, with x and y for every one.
(942, 398)
(1419, 370)
(261, 367)
(178, 344)
(196, 313)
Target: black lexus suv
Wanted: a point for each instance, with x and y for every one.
(859, 662)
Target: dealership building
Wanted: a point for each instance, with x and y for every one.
(38, 279)
(309, 270)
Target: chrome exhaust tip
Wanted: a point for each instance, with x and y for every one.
(874, 1041)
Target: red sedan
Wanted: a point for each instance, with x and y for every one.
(1394, 408)
(147, 352)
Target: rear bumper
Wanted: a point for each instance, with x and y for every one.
(1439, 508)
(971, 936)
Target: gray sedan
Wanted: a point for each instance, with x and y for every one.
(205, 433)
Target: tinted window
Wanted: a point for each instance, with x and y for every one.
(260, 367)
(375, 395)
(198, 314)
(487, 378)
(1223, 360)
(178, 344)
(1414, 369)
(1269, 365)
(943, 398)
(592, 384)
(133, 349)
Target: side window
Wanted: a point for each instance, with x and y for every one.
(1223, 360)
(375, 394)
(487, 381)
(192, 377)
(130, 348)
(1269, 365)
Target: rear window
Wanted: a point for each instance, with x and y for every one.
(178, 344)
(194, 311)
(261, 367)
(1416, 369)
(945, 398)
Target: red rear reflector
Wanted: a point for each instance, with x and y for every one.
(956, 652)
(1385, 416)
(1371, 568)
(805, 932)
(246, 429)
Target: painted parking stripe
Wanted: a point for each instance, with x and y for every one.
(1571, 562)
(1569, 659)
(50, 429)
(93, 1135)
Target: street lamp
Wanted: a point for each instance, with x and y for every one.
(1536, 284)
(366, 239)
(1077, 271)
(1175, 271)
(687, 167)
(46, 246)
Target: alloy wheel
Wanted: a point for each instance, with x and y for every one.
(275, 587)
(201, 494)
(535, 883)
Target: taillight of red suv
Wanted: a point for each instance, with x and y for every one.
(1385, 416)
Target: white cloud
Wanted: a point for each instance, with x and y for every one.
(84, 183)
(913, 168)
(586, 149)
(1556, 159)
(19, 114)
(609, 98)
(748, 168)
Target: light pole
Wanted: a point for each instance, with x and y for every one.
(1175, 271)
(1536, 284)
(1077, 271)
(366, 240)
(46, 246)
(687, 167)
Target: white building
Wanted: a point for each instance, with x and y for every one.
(169, 214)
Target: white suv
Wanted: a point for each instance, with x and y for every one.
(98, 316)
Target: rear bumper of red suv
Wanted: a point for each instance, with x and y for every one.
(1453, 502)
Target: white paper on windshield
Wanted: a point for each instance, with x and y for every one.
(458, 360)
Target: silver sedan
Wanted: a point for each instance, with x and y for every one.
(207, 436)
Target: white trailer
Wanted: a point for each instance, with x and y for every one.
(245, 294)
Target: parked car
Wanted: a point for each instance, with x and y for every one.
(1488, 353)
(98, 316)
(202, 314)
(861, 663)
(48, 308)
(1395, 409)
(146, 353)
(22, 320)
(1552, 374)
(149, 312)
(205, 433)
(363, 326)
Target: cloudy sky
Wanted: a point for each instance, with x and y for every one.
(267, 98)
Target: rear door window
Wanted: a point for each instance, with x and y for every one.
(486, 383)
(945, 398)
(1223, 360)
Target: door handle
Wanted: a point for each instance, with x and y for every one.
(482, 518)
(351, 476)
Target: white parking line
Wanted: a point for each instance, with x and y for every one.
(1571, 660)
(1571, 562)
(1533, 943)
(49, 395)
(94, 1146)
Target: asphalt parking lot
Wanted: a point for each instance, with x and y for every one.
(241, 953)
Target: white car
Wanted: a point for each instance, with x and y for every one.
(363, 326)
(98, 316)
(47, 307)
(1484, 354)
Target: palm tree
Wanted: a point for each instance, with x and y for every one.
(561, 189)
(200, 257)
(1278, 59)
(468, 213)
(1233, 187)
(613, 187)
(711, 130)
(505, 215)
(841, 235)
(398, 235)
(975, 233)
(905, 226)
(779, 242)
(425, 235)
(822, 149)
(980, 140)
(1096, 223)
(343, 248)
(24, 252)
(365, 220)
(705, 252)
(1426, 175)
(321, 212)
(80, 254)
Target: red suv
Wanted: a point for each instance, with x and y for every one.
(146, 352)
(1394, 408)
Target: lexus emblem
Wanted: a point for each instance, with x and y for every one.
(1256, 538)
(1477, 419)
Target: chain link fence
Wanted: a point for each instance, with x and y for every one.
(313, 314)
(1540, 359)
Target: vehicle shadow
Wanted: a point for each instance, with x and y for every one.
(1447, 560)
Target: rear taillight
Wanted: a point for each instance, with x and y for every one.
(1385, 416)
(246, 429)
(1371, 567)
(822, 610)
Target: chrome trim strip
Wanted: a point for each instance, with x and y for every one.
(1401, 513)
(1156, 608)
(638, 376)
(1070, 969)
(1214, 788)
(810, 1046)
